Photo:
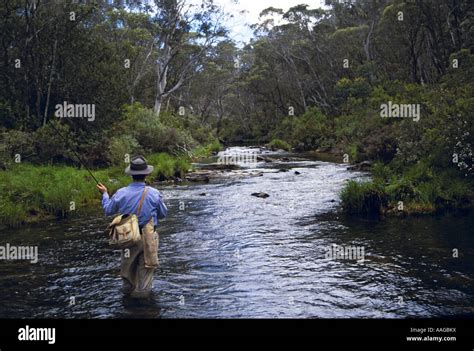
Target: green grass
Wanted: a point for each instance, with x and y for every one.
(363, 197)
(206, 150)
(12, 214)
(167, 166)
(31, 192)
(420, 188)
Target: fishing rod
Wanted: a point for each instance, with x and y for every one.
(75, 153)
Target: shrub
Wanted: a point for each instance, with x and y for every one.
(53, 143)
(154, 136)
(276, 144)
(309, 130)
(48, 144)
(121, 145)
(17, 142)
(382, 172)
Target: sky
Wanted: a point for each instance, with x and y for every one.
(239, 25)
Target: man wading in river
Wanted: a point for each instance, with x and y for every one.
(137, 277)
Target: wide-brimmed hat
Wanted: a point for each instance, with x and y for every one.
(138, 166)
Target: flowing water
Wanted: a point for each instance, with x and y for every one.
(225, 253)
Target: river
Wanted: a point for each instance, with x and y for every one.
(225, 253)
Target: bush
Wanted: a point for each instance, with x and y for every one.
(48, 144)
(304, 132)
(120, 146)
(382, 172)
(381, 145)
(152, 134)
(17, 142)
(53, 143)
(278, 144)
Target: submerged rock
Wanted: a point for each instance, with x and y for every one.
(261, 195)
(265, 158)
(198, 177)
(221, 167)
(296, 172)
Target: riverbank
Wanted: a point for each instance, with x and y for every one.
(34, 193)
(419, 189)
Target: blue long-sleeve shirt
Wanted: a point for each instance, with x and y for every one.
(126, 200)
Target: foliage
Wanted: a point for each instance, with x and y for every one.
(278, 144)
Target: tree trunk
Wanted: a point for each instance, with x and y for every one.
(161, 80)
(368, 55)
(157, 107)
(45, 116)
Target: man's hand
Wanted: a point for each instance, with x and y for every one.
(101, 188)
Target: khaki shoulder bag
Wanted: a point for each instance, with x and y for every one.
(124, 231)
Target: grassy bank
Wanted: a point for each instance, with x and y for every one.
(31, 193)
(417, 189)
(205, 151)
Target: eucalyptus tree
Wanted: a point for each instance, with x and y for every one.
(182, 34)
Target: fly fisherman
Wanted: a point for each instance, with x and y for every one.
(136, 269)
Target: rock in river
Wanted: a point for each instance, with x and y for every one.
(201, 176)
(220, 167)
(265, 158)
(260, 194)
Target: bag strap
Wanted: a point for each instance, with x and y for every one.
(141, 201)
